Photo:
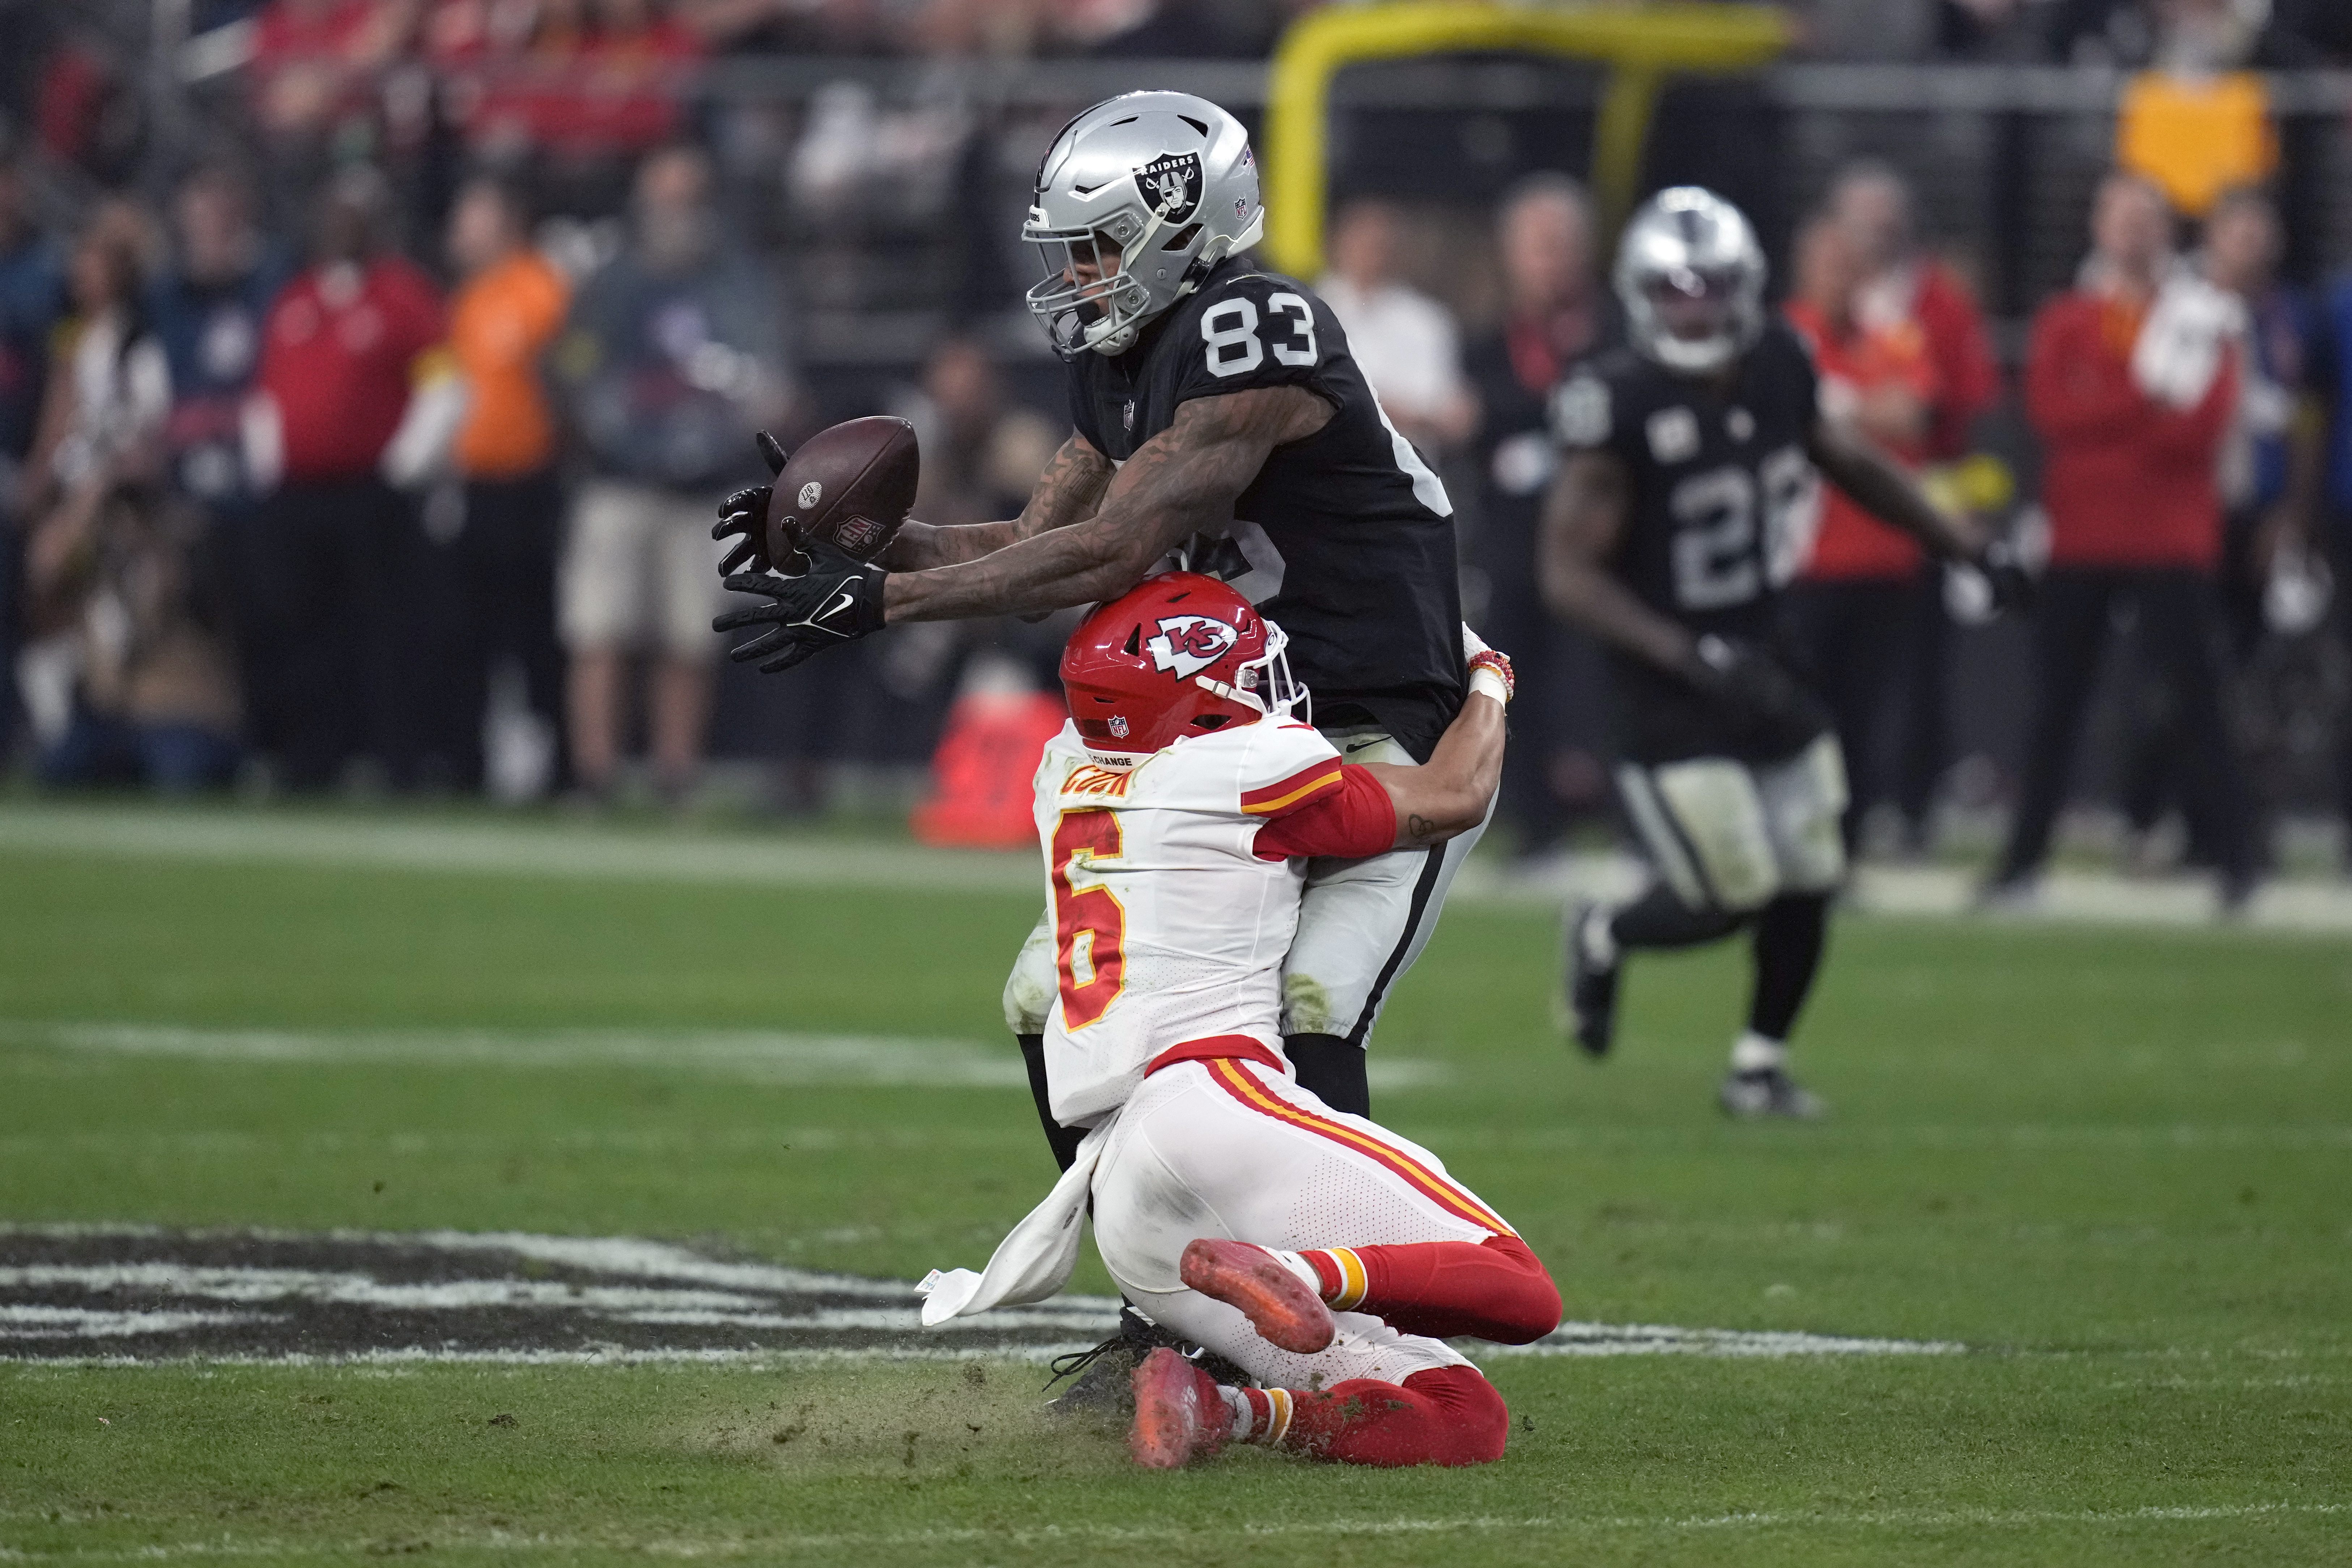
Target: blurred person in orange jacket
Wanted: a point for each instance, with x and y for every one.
(501, 564)
(2132, 380)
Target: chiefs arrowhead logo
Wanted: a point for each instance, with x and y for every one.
(1188, 645)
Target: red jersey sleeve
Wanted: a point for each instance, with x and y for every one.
(1349, 820)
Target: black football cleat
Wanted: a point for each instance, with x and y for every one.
(1768, 1092)
(1588, 1000)
(1104, 1377)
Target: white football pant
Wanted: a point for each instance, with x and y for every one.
(1731, 836)
(1236, 1151)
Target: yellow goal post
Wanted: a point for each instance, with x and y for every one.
(1642, 46)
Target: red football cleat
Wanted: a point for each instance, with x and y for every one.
(1283, 1308)
(1179, 1414)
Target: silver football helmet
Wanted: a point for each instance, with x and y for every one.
(1136, 199)
(1690, 276)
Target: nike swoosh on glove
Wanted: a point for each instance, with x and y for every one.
(743, 516)
(839, 599)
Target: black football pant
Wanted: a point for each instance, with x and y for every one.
(1875, 648)
(2181, 629)
(331, 635)
(492, 597)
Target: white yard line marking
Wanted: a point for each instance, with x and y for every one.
(2067, 896)
(1656, 1338)
(27, 1322)
(617, 1283)
(573, 851)
(390, 843)
(1567, 1525)
(746, 1056)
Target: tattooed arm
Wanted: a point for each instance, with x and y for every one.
(1068, 491)
(1182, 481)
(1448, 795)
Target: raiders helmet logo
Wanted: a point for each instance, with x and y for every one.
(1188, 645)
(809, 494)
(1171, 184)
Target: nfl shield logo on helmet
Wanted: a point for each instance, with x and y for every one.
(1119, 725)
(1171, 184)
(1188, 645)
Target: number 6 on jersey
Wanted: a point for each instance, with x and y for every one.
(1089, 923)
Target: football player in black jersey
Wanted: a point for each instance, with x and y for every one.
(1685, 494)
(1220, 418)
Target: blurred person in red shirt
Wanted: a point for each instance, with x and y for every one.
(338, 546)
(1867, 586)
(2132, 380)
(1854, 610)
(1903, 287)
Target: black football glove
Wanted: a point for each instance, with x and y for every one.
(743, 516)
(2012, 586)
(837, 599)
(1772, 714)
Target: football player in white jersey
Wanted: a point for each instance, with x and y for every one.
(1323, 1256)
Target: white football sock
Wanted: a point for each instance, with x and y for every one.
(1597, 942)
(1753, 1053)
(1298, 1265)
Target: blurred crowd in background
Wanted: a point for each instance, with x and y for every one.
(364, 401)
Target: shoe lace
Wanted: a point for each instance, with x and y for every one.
(1077, 1362)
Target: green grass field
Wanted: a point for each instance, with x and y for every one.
(2115, 1166)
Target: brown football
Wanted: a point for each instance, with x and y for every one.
(851, 483)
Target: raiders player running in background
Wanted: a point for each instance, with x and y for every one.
(1685, 492)
(1221, 417)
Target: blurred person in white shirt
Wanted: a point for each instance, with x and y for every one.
(1404, 341)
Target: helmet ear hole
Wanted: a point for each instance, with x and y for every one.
(1135, 643)
(1183, 238)
(1212, 721)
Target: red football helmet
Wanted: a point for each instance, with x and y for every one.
(1177, 655)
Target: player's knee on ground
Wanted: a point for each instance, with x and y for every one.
(1703, 824)
(1449, 1416)
(1804, 801)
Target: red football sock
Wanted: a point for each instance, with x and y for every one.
(1447, 1415)
(1494, 1289)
